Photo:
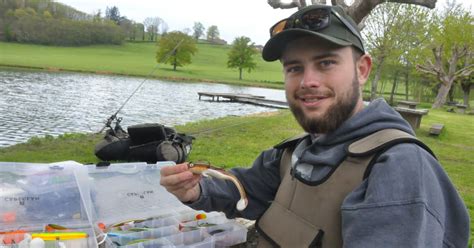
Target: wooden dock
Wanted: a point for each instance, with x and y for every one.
(243, 98)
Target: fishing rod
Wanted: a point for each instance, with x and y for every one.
(108, 123)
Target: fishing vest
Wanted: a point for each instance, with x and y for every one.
(304, 215)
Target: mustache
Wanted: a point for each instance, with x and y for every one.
(301, 93)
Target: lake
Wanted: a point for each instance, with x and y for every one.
(54, 103)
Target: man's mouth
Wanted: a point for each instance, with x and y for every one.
(310, 99)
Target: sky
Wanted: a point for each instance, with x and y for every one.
(234, 18)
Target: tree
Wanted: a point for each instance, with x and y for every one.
(168, 53)
(212, 33)
(152, 25)
(139, 30)
(113, 14)
(392, 31)
(241, 55)
(358, 10)
(186, 31)
(415, 32)
(467, 83)
(127, 27)
(47, 14)
(198, 29)
(452, 42)
(97, 16)
(380, 28)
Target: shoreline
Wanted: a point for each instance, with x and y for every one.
(172, 79)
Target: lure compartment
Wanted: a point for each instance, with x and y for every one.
(87, 198)
(129, 196)
(33, 196)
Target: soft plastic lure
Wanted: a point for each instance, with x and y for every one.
(207, 170)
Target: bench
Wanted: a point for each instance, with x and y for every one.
(461, 108)
(413, 116)
(436, 129)
(407, 104)
(451, 103)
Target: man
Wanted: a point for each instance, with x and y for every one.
(358, 178)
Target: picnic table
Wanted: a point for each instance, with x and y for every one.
(413, 116)
(407, 104)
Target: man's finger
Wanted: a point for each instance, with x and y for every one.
(184, 184)
(174, 169)
(192, 182)
(175, 179)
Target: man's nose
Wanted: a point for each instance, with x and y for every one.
(311, 78)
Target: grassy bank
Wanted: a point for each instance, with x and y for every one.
(138, 59)
(237, 141)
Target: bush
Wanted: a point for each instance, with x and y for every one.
(36, 29)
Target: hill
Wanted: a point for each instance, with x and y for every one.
(138, 59)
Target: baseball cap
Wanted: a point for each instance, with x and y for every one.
(330, 23)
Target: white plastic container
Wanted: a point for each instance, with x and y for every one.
(35, 195)
(130, 196)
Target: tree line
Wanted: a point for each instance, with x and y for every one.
(51, 23)
(429, 52)
(27, 26)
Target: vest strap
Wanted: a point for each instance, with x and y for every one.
(291, 142)
(285, 161)
(382, 140)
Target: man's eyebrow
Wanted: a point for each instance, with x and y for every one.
(323, 55)
(326, 55)
(290, 62)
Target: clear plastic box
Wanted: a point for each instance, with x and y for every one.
(136, 211)
(33, 196)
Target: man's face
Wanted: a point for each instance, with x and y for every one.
(321, 83)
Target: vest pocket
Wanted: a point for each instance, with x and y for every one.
(318, 240)
(283, 228)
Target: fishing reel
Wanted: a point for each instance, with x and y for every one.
(176, 149)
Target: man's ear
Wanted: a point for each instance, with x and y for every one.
(363, 67)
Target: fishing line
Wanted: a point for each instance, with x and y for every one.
(164, 58)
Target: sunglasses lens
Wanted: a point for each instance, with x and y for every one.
(316, 19)
(277, 28)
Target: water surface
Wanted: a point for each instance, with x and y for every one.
(46, 103)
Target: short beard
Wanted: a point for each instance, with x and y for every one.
(337, 114)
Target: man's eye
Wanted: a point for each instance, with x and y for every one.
(327, 63)
(292, 69)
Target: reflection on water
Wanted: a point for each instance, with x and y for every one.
(42, 103)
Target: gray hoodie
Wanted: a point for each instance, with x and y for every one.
(407, 200)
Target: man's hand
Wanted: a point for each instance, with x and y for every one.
(178, 180)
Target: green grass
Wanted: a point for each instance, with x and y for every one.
(138, 59)
(455, 150)
(237, 141)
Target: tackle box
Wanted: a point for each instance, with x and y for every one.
(129, 208)
(34, 197)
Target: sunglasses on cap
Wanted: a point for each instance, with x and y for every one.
(313, 19)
